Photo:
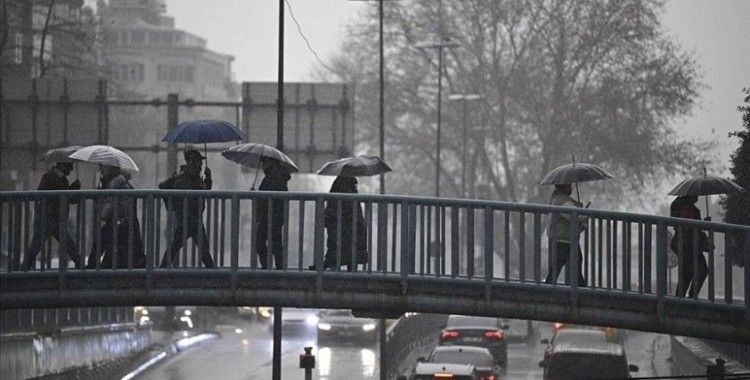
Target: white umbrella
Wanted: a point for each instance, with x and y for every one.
(356, 166)
(252, 155)
(105, 155)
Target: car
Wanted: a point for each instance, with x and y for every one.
(342, 325)
(485, 365)
(299, 321)
(430, 371)
(613, 335)
(519, 330)
(586, 360)
(484, 332)
(581, 337)
(257, 313)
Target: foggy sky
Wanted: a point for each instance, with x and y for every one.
(717, 31)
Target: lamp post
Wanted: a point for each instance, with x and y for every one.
(464, 98)
(441, 45)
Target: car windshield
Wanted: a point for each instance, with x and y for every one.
(338, 313)
(581, 338)
(467, 321)
(587, 366)
(480, 359)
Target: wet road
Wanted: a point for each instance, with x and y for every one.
(245, 350)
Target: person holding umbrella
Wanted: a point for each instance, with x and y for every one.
(684, 207)
(340, 232)
(559, 225)
(189, 179)
(119, 213)
(276, 177)
(47, 212)
(343, 234)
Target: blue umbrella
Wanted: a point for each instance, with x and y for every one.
(204, 131)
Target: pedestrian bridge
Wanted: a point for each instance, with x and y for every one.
(435, 255)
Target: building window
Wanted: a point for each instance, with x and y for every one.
(174, 73)
(129, 72)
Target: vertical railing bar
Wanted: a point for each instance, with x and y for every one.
(339, 219)
(728, 284)
(63, 238)
(319, 240)
(115, 230)
(285, 235)
(537, 248)
(394, 240)
(45, 250)
(184, 227)
(489, 250)
(368, 221)
(625, 255)
(661, 267)
(96, 224)
(746, 244)
(352, 264)
(301, 240)
(28, 226)
(156, 227)
(149, 224)
(680, 232)
(615, 223)
(223, 228)
(254, 253)
(209, 234)
(506, 239)
(695, 252)
(422, 237)
(647, 258)
(609, 253)
(711, 268)
(522, 246)
(600, 251)
(455, 240)
(82, 233)
(586, 267)
(429, 239)
(412, 249)
(574, 265)
(443, 248)
(131, 217)
(200, 231)
(383, 237)
(640, 257)
(404, 262)
(269, 234)
(470, 242)
(234, 239)
(217, 254)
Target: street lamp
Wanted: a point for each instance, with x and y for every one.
(440, 46)
(464, 98)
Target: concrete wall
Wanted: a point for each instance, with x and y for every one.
(691, 357)
(24, 355)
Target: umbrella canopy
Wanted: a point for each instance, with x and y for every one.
(252, 155)
(357, 166)
(575, 172)
(706, 185)
(61, 154)
(204, 131)
(106, 155)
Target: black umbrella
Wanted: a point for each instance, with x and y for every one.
(573, 173)
(706, 185)
(356, 166)
(62, 154)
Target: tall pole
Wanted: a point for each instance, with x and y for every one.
(276, 365)
(382, 90)
(463, 151)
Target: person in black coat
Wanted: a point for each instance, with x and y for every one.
(275, 179)
(120, 216)
(343, 226)
(684, 207)
(188, 179)
(47, 215)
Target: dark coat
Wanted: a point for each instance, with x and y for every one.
(54, 180)
(681, 208)
(332, 230)
(187, 181)
(270, 183)
(121, 225)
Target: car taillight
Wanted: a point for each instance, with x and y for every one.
(494, 334)
(448, 334)
(558, 325)
(442, 376)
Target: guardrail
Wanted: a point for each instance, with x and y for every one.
(405, 236)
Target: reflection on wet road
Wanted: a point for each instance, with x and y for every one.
(244, 352)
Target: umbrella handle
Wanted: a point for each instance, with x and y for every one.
(578, 195)
(256, 178)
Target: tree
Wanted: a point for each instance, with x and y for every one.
(596, 79)
(737, 206)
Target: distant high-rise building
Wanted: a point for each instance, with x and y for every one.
(148, 56)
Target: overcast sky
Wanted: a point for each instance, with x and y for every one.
(717, 31)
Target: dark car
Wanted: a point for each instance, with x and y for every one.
(341, 325)
(579, 337)
(484, 363)
(576, 360)
(477, 331)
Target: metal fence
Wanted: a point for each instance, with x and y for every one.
(52, 320)
(404, 235)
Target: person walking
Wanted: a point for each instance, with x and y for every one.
(347, 185)
(120, 216)
(275, 178)
(558, 231)
(47, 215)
(188, 179)
(684, 207)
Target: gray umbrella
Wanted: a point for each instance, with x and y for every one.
(573, 173)
(706, 185)
(252, 155)
(356, 166)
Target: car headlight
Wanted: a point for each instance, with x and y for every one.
(312, 320)
(369, 327)
(265, 312)
(187, 312)
(324, 326)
